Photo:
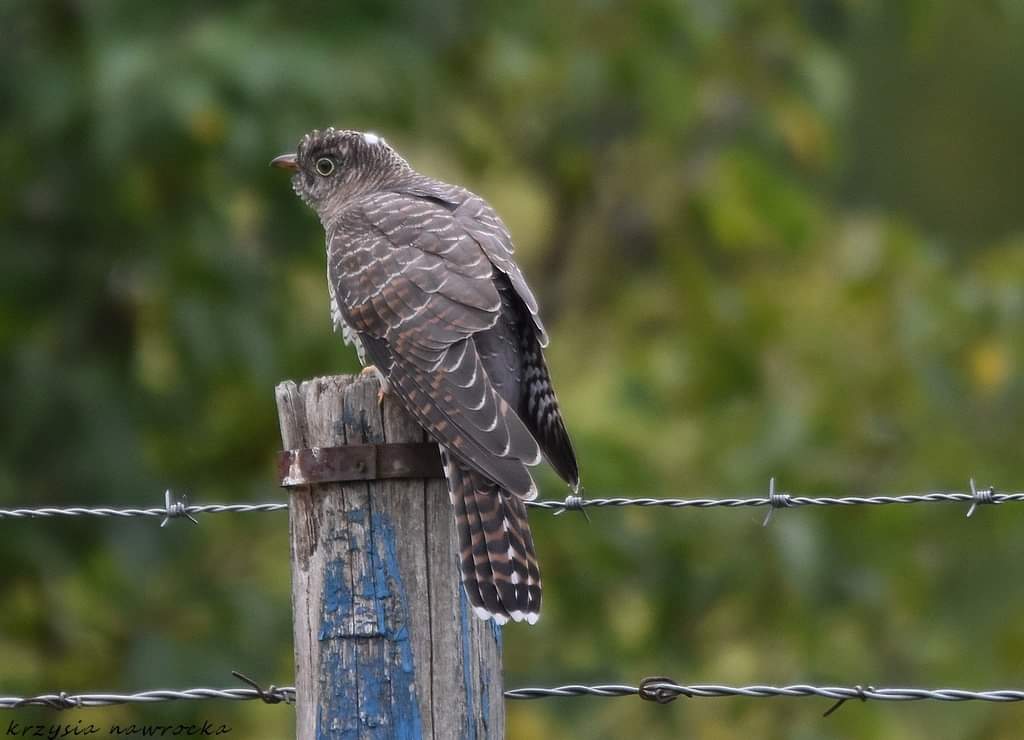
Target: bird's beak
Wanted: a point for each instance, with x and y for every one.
(285, 162)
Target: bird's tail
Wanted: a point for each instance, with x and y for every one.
(498, 562)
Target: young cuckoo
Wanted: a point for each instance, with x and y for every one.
(422, 282)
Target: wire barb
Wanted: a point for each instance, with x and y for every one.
(52, 701)
(573, 502)
(176, 508)
(661, 689)
(775, 501)
(271, 695)
(861, 694)
(980, 498)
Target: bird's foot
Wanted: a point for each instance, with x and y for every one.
(385, 387)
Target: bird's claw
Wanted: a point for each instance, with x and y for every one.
(385, 387)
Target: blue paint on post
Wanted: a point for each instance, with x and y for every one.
(393, 615)
(496, 633)
(367, 665)
(337, 609)
(338, 718)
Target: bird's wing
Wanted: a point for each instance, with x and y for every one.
(416, 284)
(523, 380)
(476, 215)
(514, 360)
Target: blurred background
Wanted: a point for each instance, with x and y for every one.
(768, 238)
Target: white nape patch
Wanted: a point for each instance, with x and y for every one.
(499, 619)
(532, 617)
(481, 612)
(517, 616)
(371, 139)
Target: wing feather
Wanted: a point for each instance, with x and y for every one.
(476, 217)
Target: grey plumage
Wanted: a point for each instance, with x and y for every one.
(422, 277)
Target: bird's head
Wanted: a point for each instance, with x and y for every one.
(333, 166)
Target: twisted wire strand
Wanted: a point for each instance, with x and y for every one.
(655, 690)
(792, 501)
(178, 507)
(156, 511)
(761, 691)
(64, 700)
(976, 497)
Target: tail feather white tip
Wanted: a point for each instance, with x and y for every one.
(483, 614)
(500, 619)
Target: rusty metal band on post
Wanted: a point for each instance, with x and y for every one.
(309, 465)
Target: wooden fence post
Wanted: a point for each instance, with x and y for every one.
(386, 645)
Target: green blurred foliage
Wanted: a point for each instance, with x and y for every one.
(769, 239)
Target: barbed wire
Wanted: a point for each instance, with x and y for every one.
(64, 700)
(665, 690)
(173, 508)
(658, 689)
(178, 507)
(780, 500)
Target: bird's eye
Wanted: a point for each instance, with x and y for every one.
(325, 166)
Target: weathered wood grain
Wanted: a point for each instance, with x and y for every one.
(386, 645)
